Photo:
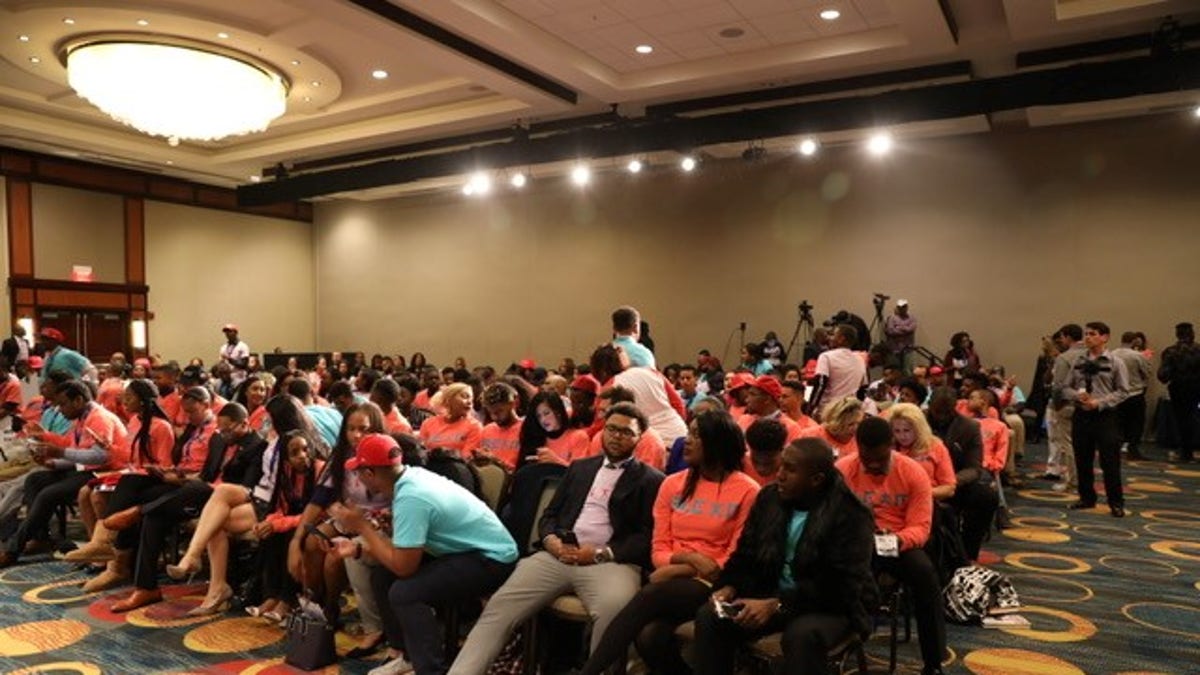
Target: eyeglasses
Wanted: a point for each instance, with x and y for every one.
(620, 432)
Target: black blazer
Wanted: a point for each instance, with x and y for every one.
(244, 467)
(630, 509)
(964, 439)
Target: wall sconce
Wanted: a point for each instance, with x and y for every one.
(137, 330)
(26, 322)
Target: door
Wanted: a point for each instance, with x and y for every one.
(105, 333)
(66, 321)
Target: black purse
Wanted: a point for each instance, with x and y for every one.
(310, 642)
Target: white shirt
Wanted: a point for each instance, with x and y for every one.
(649, 389)
(233, 352)
(846, 370)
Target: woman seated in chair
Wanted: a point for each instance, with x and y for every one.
(546, 434)
(308, 558)
(232, 509)
(698, 517)
(839, 422)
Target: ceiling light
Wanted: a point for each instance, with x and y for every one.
(255, 178)
(830, 14)
(688, 163)
(518, 180)
(315, 83)
(34, 60)
(808, 147)
(479, 185)
(643, 49)
(23, 38)
(308, 99)
(468, 189)
(69, 21)
(880, 144)
(170, 162)
(175, 90)
(143, 22)
(295, 62)
(634, 166)
(1197, 111)
(581, 175)
(223, 35)
(379, 74)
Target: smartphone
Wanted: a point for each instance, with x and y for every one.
(728, 610)
(568, 537)
(313, 530)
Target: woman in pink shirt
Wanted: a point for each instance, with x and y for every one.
(840, 421)
(456, 428)
(546, 436)
(698, 518)
(914, 439)
(252, 393)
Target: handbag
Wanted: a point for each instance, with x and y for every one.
(310, 642)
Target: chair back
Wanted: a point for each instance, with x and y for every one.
(549, 487)
(493, 481)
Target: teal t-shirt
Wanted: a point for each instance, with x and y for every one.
(328, 422)
(795, 529)
(67, 360)
(442, 517)
(54, 421)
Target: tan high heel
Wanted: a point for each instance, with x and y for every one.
(186, 569)
(218, 606)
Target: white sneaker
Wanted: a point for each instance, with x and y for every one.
(1059, 487)
(397, 666)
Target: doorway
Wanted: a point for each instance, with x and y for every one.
(94, 333)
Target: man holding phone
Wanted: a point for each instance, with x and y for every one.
(816, 589)
(595, 539)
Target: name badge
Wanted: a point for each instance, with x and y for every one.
(887, 545)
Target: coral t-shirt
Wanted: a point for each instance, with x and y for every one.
(995, 443)
(572, 445)
(709, 522)
(840, 448)
(162, 442)
(462, 435)
(396, 423)
(503, 443)
(902, 500)
(793, 429)
(936, 463)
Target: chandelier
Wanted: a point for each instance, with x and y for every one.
(179, 90)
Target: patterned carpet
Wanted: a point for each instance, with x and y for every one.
(1103, 596)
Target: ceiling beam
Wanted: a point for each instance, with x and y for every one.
(1079, 83)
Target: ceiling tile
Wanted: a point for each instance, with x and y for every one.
(682, 42)
(874, 10)
(580, 20)
(529, 9)
(624, 36)
(701, 17)
(696, 53)
(638, 9)
(757, 8)
(746, 43)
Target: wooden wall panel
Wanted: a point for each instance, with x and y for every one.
(135, 241)
(20, 227)
(99, 299)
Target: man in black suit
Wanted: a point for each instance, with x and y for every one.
(16, 347)
(595, 537)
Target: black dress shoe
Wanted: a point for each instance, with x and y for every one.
(1080, 505)
(1117, 511)
(368, 650)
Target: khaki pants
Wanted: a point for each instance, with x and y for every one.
(1061, 459)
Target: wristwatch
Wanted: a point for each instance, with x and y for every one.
(604, 555)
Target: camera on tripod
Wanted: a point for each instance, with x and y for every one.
(806, 309)
(880, 298)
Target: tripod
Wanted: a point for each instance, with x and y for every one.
(878, 321)
(804, 323)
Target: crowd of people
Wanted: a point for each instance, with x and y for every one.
(766, 497)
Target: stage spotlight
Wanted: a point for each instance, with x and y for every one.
(880, 144)
(1196, 112)
(808, 147)
(634, 166)
(687, 164)
(581, 175)
(518, 180)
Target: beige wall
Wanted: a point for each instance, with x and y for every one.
(1006, 235)
(207, 267)
(78, 227)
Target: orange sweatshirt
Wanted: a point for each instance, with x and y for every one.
(902, 501)
(504, 443)
(709, 522)
(936, 463)
(462, 435)
(995, 443)
(840, 449)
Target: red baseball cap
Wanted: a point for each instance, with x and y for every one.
(229, 326)
(527, 363)
(769, 386)
(36, 362)
(936, 370)
(586, 383)
(374, 450)
(53, 334)
(741, 380)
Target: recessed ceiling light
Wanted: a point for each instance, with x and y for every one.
(518, 180)
(169, 162)
(34, 59)
(1197, 111)
(23, 38)
(295, 62)
(643, 49)
(731, 32)
(581, 175)
(255, 178)
(830, 14)
(143, 22)
(223, 35)
(880, 144)
(808, 147)
(69, 21)
(315, 83)
(308, 99)
(688, 164)
(379, 74)
(634, 166)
